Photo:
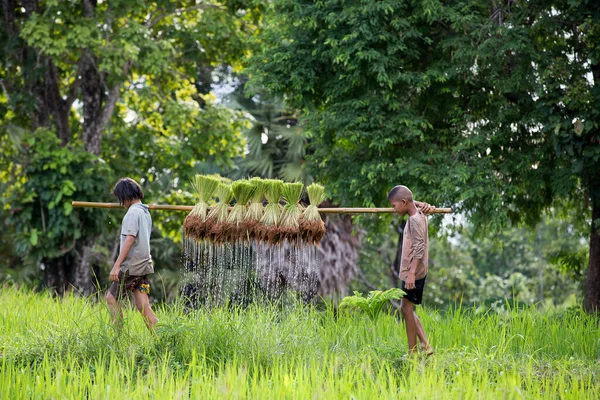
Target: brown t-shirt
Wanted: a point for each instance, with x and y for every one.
(415, 245)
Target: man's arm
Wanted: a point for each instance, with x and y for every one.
(114, 273)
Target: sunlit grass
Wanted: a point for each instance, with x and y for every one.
(68, 348)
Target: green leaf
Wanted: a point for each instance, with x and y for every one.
(33, 238)
(68, 207)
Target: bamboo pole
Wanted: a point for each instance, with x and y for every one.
(341, 210)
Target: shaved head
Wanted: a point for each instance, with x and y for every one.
(400, 192)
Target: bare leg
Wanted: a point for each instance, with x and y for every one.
(425, 346)
(115, 309)
(142, 303)
(406, 307)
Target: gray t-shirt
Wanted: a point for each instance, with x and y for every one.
(137, 222)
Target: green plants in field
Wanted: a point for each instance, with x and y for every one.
(373, 303)
(69, 349)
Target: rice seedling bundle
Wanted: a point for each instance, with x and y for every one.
(235, 227)
(217, 217)
(312, 227)
(272, 213)
(194, 224)
(289, 225)
(256, 209)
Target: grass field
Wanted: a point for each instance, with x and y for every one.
(68, 349)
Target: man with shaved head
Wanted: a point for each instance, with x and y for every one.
(413, 267)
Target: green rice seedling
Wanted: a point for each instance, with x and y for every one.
(312, 227)
(217, 217)
(270, 219)
(256, 209)
(194, 223)
(69, 349)
(289, 225)
(373, 303)
(235, 228)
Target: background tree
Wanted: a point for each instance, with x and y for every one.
(489, 107)
(73, 68)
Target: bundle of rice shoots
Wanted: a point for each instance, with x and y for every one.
(289, 227)
(217, 217)
(272, 212)
(194, 224)
(256, 209)
(312, 227)
(235, 227)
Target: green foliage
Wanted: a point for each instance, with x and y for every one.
(442, 98)
(571, 263)
(373, 303)
(165, 55)
(276, 141)
(68, 348)
(42, 178)
(161, 60)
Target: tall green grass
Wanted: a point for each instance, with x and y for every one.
(68, 349)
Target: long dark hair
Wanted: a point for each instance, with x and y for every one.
(127, 190)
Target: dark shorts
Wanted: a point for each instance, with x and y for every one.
(415, 295)
(129, 283)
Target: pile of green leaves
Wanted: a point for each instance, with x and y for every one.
(39, 179)
(373, 303)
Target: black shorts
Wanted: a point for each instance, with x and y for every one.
(415, 295)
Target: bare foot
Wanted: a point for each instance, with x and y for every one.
(428, 350)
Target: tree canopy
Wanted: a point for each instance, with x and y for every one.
(126, 88)
(491, 107)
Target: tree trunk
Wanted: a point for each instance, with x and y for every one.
(591, 301)
(203, 83)
(57, 105)
(55, 275)
(92, 89)
(592, 294)
(83, 276)
(538, 239)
